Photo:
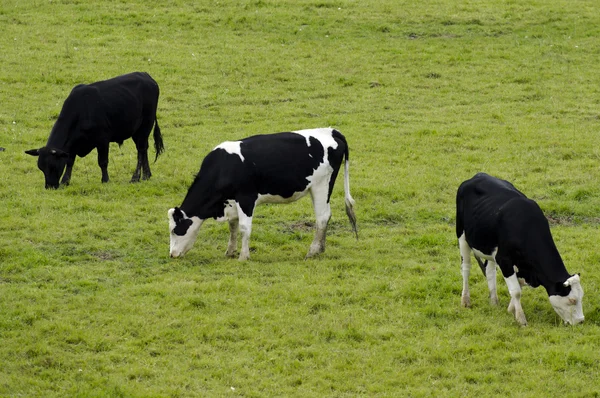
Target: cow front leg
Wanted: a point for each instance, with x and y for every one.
(103, 161)
(245, 227)
(465, 254)
(66, 178)
(514, 288)
(234, 226)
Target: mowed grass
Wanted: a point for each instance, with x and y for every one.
(427, 94)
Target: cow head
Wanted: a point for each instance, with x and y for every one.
(184, 231)
(52, 162)
(569, 307)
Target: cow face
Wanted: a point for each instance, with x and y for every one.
(569, 307)
(52, 162)
(184, 231)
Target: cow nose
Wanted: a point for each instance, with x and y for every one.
(578, 320)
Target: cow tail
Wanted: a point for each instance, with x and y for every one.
(159, 147)
(349, 201)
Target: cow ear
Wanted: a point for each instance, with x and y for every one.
(33, 152)
(58, 153)
(177, 214)
(572, 280)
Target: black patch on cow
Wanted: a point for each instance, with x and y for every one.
(182, 227)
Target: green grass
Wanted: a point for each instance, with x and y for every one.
(427, 94)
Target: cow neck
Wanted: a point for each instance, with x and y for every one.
(203, 201)
(548, 265)
(59, 136)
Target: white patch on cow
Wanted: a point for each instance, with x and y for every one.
(322, 134)
(489, 257)
(268, 198)
(229, 211)
(569, 307)
(231, 147)
(180, 245)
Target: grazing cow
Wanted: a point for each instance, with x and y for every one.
(93, 116)
(236, 176)
(503, 227)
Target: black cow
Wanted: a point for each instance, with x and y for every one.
(503, 227)
(278, 168)
(93, 116)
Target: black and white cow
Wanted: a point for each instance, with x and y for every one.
(503, 227)
(93, 116)
(236, 176)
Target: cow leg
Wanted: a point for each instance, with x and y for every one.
(141, 143)
(146, 173)
(66, 178)
(138, 168)
(143, 167)
(322, 214)
(103, 161)
(514, 288)
(234, 226)
(465, 254)
(245, 226)
(490, 275)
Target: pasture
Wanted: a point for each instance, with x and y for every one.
(426, 93)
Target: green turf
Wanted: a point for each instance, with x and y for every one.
(426, 93)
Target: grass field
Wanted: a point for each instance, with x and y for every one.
(427, 94)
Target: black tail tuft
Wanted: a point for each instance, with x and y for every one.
(159, 147)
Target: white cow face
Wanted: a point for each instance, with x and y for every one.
(569, 307)
(184, 231)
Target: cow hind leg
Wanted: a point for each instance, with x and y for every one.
(514, 288)
(142, 169)
(141, 143)
(322, 214)
(465, 254)
(490, 275)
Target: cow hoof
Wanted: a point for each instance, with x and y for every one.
(311, 254)
(521, 320)
(511, 308)
(230, 254)
(494, 301)
(466, 302)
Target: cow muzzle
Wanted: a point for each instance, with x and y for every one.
(576, 321)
